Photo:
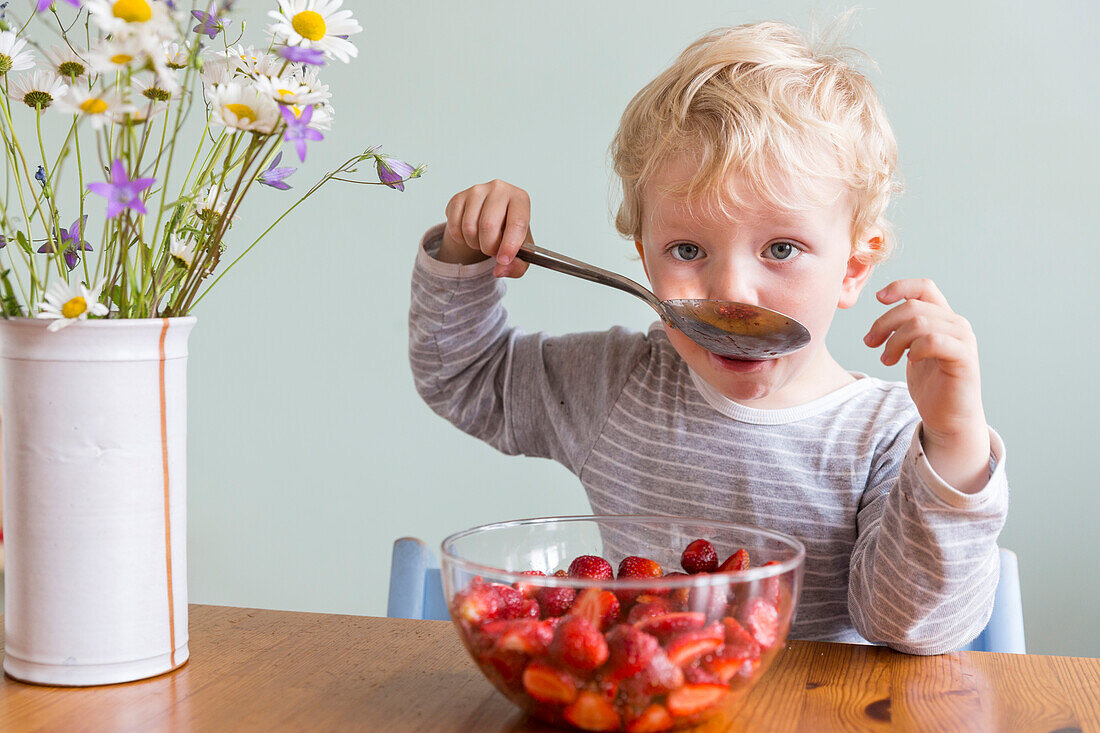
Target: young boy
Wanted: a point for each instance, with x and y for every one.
(755, 169)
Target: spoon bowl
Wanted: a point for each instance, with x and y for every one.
(724, 327)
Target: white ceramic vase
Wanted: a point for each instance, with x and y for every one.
(95, 499)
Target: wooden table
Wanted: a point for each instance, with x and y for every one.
(252, 669)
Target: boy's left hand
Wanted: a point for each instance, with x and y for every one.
(943, 377)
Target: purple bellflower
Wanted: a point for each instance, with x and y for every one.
(74, 238)
(299, 55)
(298, 130)
(122, 193)
(209, 23)
(392, 172)
(274, 177)
(45, 4)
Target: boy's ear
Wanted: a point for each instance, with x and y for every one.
(856, 276)
(641, 253)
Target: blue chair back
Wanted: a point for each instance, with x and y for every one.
(1005, 630)
(416, 591)
(416, 587)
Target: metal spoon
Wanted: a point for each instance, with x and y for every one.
(724, 327)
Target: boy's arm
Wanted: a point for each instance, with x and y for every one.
(925, 565)
(520, 393)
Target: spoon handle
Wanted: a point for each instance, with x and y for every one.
(561, 263)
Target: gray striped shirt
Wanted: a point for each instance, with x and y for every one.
(894, 555)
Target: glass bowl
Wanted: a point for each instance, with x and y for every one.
(610, 641)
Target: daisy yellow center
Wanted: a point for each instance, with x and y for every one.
(243, 111)
(309, 24)
(121, 58)
(94, 106)
(132, 11)
(74, 307)
(285, 93)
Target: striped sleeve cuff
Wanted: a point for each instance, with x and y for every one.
(948, 494)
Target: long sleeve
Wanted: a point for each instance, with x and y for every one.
(534, 394)
(925, 566)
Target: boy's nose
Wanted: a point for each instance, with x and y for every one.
(734, 283)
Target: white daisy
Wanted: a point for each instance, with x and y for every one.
(243, 108)
(216, 70)
(140, 113)
(289, 90)
(97, 105)
(158, 87)
(147, 19)
(117, 55)
(316, 24)
(212, 204)
(183, 253)
(176, 55)
(14, 56)
(252, 61)
(37, 90)
(67, 63)
(69, 303)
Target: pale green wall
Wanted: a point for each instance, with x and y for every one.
(310, 451)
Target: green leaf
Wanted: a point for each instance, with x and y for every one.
(22, 239)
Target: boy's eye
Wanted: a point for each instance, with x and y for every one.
(783, 251)
(685, 252)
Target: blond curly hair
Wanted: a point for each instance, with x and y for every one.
(789, 118)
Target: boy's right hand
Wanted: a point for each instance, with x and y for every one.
(488, 220)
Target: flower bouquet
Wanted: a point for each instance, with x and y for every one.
(160, 121)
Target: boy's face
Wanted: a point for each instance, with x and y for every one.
(797, 263)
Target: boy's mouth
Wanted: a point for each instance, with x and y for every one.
(730, 364)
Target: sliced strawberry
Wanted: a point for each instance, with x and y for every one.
(678, 597)
(529, 590)
(511, 600)
(762, 621)
(655, 594)
(701, 676)
(479, 603)
(578, 644)
(735, 562)
(710, 600)
(653, 719)
(555, 601)
(732, 658)
(530, 609)
(643, 610)
(591, 712)
(591, 566)
(691, 699)
(771, 586)
(527, 636)
(601, 607)
(739, 642)
(667, 624)
(549, 684)
(508, 665)
(685, 648)
(659, 676)
(699, 557)
(629, 651)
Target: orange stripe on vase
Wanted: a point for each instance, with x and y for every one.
(167, 510)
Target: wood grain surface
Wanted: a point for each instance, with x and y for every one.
(253, 669)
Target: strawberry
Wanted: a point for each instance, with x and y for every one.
(511, 600)
(526, 636)
(659, 676)
(701, 676)
(699, 557)
(530, 609)
(709, 600)
(771, 586)
(735, 562)
(479, 603)
(678, 596)
(629, 651)
(591, 566)
(732, 658)
(653, 719)
(637, 567)
(591, 712)
(685, 648)
(739, 642)
(601, 607)
(643, 610)
(762, 621)
(555, 601)
(578, 644)
(692, 699)
(672, 623)
(529, 590)
(508, 665)
(549, 684)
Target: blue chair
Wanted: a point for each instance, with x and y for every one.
(416, 591)
(416, 587)
(1005, 630)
